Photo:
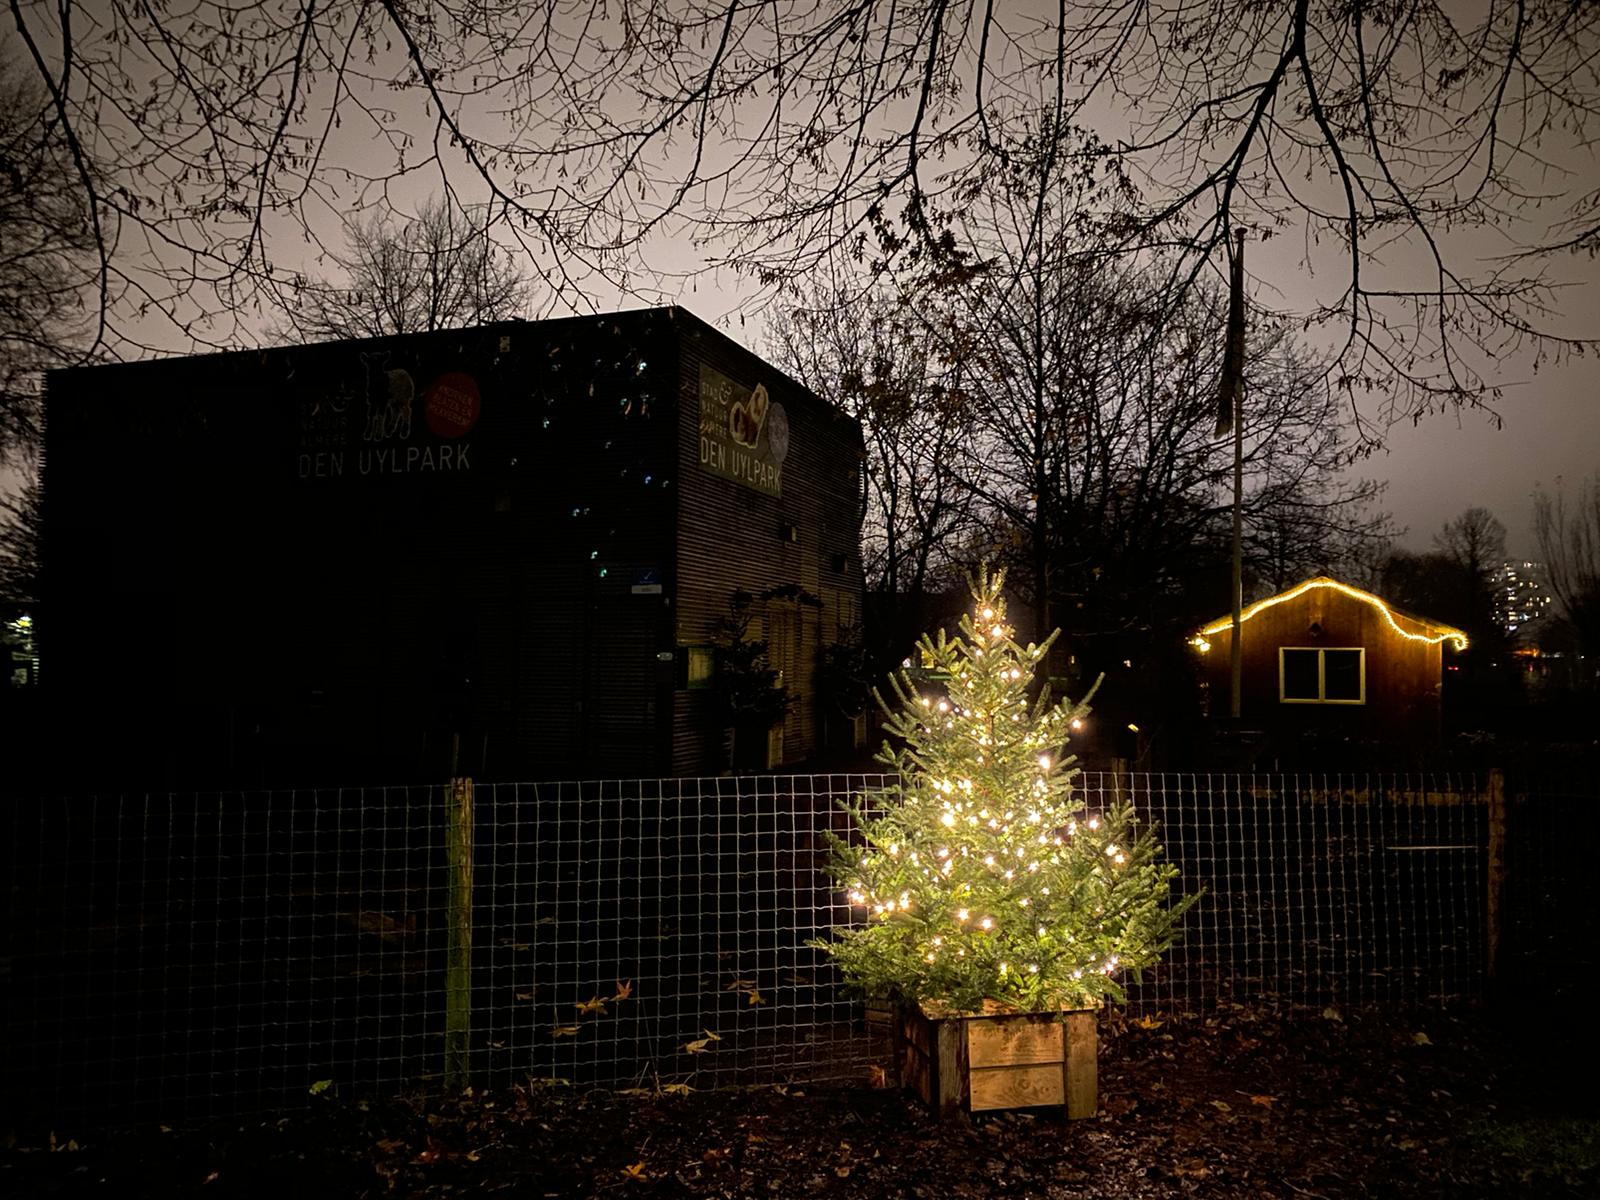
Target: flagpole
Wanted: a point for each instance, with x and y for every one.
(1235, 657)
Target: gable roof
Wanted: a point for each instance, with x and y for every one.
(1433, 633)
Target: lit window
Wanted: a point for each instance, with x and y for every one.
(1312, 675)
(700, 663)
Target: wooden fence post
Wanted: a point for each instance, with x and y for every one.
(458, 933)
(1495, 878)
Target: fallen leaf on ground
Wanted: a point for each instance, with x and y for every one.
(1421, 1039)
(635, 1172)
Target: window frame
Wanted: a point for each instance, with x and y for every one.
(1322, 674)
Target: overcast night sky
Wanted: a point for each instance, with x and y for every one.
(1451, 462)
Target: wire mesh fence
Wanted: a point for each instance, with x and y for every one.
(660, 932)
(197, 954)
(1551, 930)
(1320, 890)
(181, 956)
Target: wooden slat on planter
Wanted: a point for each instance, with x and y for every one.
(1080, 1067)
(1017, 1087)
(991, 1061)
(880, 1016)
(916, 1072)
(1014, 1041)
(950, 1057)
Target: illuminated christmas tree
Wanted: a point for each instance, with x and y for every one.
(982, 874)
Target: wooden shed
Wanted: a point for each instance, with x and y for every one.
(506, 546)
(1325, 663)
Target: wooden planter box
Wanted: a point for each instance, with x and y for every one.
(979, 1061)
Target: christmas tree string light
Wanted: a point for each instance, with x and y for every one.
(983, 856)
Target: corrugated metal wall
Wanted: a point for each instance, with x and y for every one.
(603, 498)
(732, 535)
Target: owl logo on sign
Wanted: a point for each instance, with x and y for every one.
(746, 418)
(389, 397)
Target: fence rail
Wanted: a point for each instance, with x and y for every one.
(191, 955)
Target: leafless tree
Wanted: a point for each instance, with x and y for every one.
(1472, 547)
(1430, 584)
(1378, 138)
(869, 359)
(1091, 395)
(1028, 398)
(1455, 583)
(438, 270)
(1297, 531)
(1476, 541)
(46, 256)
(19, 545)
(1569, 543)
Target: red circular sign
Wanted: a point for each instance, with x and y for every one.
(451, 405)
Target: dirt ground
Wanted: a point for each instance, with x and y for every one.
(1246, 1103)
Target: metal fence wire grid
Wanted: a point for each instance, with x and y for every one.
(196, 955)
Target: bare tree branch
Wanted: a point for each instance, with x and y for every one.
(50, 252)
(438, 270)
(773, 141)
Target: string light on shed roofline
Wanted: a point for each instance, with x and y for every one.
(1452, 635)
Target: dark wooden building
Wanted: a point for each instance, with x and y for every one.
(508, 545)
(1327, 665)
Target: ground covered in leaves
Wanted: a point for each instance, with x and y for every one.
(1245, 1103)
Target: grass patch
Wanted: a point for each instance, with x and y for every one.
(1553, 1147)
